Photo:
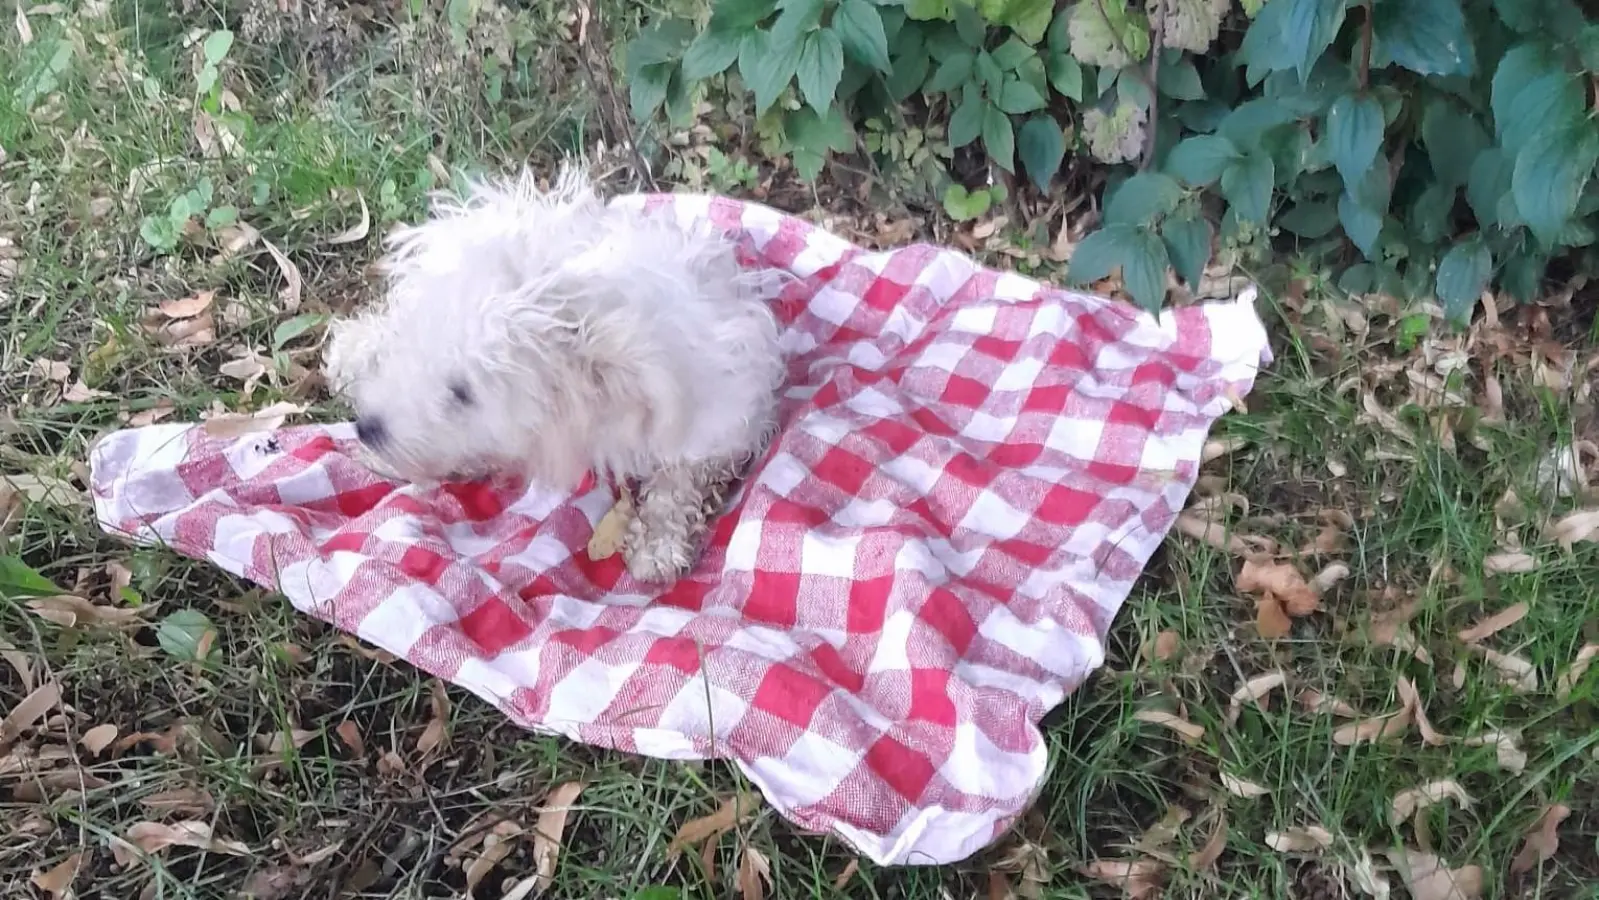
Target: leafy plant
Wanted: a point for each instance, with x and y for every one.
(163, 231)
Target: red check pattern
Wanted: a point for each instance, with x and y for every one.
(973, 469)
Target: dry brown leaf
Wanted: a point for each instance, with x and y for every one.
(350, 735)
(1206, 856)
(82, 393)
(51, 370)
(198, 331)
(754, 874)
(96, 739)
(1410, 801)
(19, 661)
(154, 414)
(1543, 839)
(1376, 728)
(733, 812)
(1517, 672)
(28, 711)
(850, 868)
(1507, 749)
(276, 883)
(235, 425)
(1329, 577)
(192, 802)
(1188, 731)
(1509, 562)
(497, 845)
(611, 531)
(76, 612)
(1138, 878)
(1252, 691)
(1317, 702)
(1494, 624)
(1215, 534)
(57, 882)
(1307, 839)
(1271, 621)
(1567, 682)
(1428, 879)
(357, 231)
(434, 735)
(1282, 581)
(1216, 449)
(1166, 645)
(1238, 787)
(1411, 698)
(290, 293)
(188, 307)
(1582, 525)
(549, 830)
(1159, 835)
(153, 837)
(24, 29)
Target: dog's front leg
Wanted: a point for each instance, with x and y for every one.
(674, 510)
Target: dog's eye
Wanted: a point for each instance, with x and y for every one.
(461, 393)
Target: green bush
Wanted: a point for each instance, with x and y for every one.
(1421, 146)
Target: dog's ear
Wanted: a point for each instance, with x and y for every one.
(351, 350)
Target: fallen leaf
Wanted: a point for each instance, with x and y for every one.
(1410, 801)
(1494, 624)
(51, 370)
(1376, 728)
(1543, 839)
(235, 425)
(1282, 581)
(82, 393)
(290, 293)
(188, 307)
(611, 532)
(1160, 835)
(497, 845)
(1271, 620)
(1515, 671)
(549, 830)
(1216, 449)
(1238, 787)
(24, 30)
(96, 739)
(1138, 878)
(245, 368)
(276, 883)
(153, 837)
(19, 661)
(733, 812)
(1166, 645)
(433, 736)
(1508, 751)
(754, 874)
(57, 882)
(1509, 562)
(1428, 879)
(1567, 682)
(76, 612)
(357, 231)
(1307, 839)
(198, 331)
(1206, 856)
(1411, 698)
(1317, 702)
(28, 711)
(850, 868)
(1189, 732)
(154, 414)
(350, 735)
(1328, 577)
(1215, 534)
(1582, 525)
(191, 802)
(1252, 691)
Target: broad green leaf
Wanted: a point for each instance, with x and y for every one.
(1041, 145)
(952, 73)
(966, 125)
(1310, 219)
(1200, 160)
(1180, 81)
(1266, 48)
(969, 23)
(1059, 37)
(1362, 225)
(1131, 87)
(1430, 213)
(1374, 191)
(711, 53)
(821, 65)
(1028, 18)
(1144, 269)
(19, 580)
(1588, 47)
(183, 634)
(963, 206)
(293, 328)
(1066, 76)
(1017, 97)
(1453, 139)
(1309, 27)
(766, 67)
(1547, 16)
(1010, 55)
(988, 71)
(647, 90)
(740, 16)
(662, 42)
(1523, 274)
(1462, 277)
(1550, 102)
(1100, 253)
(999, 139)
(860, 28)
(1247, 184)
(1188, 244)
(1428, 37)
(928, 10)
(1354, 131)
(1252, 120)
(1488, 184)
(910, 72)
(1549, 175)
(1518, 69)
(813, 136)
(1142, 198)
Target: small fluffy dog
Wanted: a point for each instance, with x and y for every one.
(549, 334)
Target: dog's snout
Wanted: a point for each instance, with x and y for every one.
(371, 431)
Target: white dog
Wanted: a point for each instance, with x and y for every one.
(551, 334)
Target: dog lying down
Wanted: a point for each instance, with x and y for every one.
(550, 335)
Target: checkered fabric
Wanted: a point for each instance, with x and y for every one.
(972, 470)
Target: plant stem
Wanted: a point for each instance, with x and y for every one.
(1152, 79)
(1365, 48)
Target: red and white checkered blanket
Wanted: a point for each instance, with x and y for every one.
(972, 470)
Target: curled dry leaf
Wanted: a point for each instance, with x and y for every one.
(57, 880)
(96, 739)
(192, 802)
(1281, 580)
(1328, 577)
(611, 531)
(1428, 878)
(733, 812)
(1206, 856)
(549, 830)
(51, 370)
(1543, 839)
(497, 845)
(1582, 525)
(19, 661)
(1515, 671)
(1138, 878)
(1252, 691)
(290, 292)
(1376, 728)
(235, 425)
(1166, 645)
(154, 837)
(1271, 621)
(1188, 731)
(434, 735)
(1203, 529)
(359, 230)
(1306, 839)
(350, 735)
(1567, 682)
(754, 874)
(188, 307)
(28, 711)
(1494, 624)
(1411, 698)
(1238, 787)
(1317, 702)
(1507, 749)
(850, 868)
(1509, 562)
(1216, 449)
(1410, 801)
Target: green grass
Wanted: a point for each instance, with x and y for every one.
(406, 105)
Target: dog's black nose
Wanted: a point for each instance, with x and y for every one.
(371, 431)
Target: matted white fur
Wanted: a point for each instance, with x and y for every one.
(551, 334)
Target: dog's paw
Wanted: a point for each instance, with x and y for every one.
(658, 554)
